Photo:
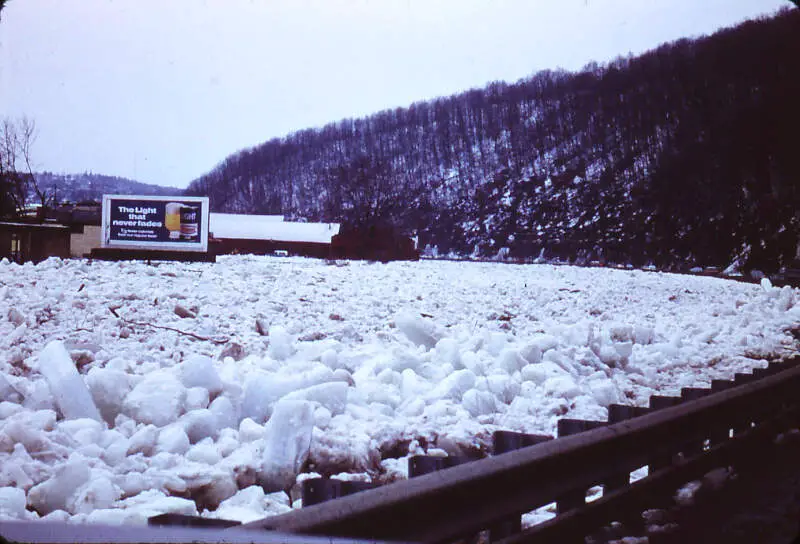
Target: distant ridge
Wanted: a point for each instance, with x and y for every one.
(89, 186)
(683, 156)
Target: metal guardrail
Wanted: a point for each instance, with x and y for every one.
(623, 504)
(679, 438)
(61, 533)
(465, 499)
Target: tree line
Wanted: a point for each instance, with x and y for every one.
(681, 156)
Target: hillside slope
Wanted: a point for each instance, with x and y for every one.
(681, 156)
(87, 186)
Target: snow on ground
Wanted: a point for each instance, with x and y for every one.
(130, 390)
(270, 227)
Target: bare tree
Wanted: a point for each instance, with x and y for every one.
(13, 187)
(17, 179)
(26, 131)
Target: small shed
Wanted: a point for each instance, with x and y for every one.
(23, 242)
(265, 234)
(84, 220)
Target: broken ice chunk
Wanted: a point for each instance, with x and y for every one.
(287, 439)
(70, 392)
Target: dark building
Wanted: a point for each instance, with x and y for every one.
(232, 246)
(373, 243)
(83, 220)
(23, 242)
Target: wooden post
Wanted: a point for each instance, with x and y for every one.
(425, 464)
(694, 447)
(659, 461)
(319, 490)
(566, 427)
(182, 520)
(504, 442)
(617, 413)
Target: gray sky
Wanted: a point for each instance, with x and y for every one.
(161, 91)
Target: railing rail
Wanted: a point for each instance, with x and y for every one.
(462, 500)
(731, 424)
(574, 525)
(44, 532)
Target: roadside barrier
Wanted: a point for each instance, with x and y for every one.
(733, 424)
(679, 439)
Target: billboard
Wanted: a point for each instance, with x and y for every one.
(155, 222)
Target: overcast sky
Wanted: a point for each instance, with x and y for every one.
(161, 91)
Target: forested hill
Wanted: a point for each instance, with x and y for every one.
(685, 155)
(89, 186)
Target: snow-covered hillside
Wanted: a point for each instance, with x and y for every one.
(130, 390)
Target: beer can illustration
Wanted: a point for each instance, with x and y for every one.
(172, 219)
(189, 227)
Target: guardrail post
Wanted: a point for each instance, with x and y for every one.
(617, 413)
(688, 394)
(621, 412)
(425, 464)
(566, 427)
(759, 373)
(721, 385)
(741, 378)
(694, 393)
(661, 460)
(780, 366)
(318, 490)
(350, 487)
(182, 520)
(720, 435)
(504, 442)
(419, 465)
(659, 402)
(786, 363)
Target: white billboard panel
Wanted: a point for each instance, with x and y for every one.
(173, 223)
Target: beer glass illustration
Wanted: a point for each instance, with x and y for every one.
(172, 219)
